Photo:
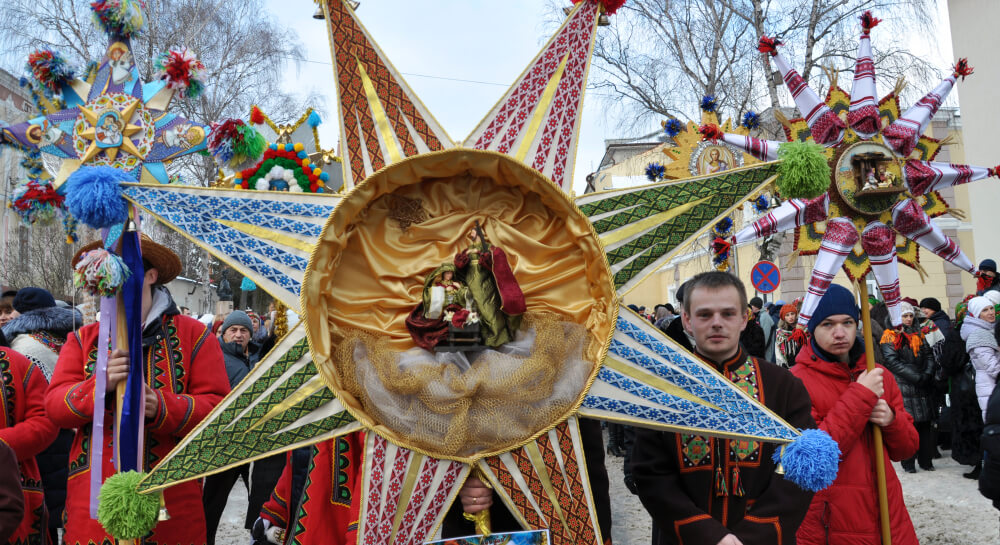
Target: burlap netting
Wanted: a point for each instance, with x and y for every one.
(367, 274)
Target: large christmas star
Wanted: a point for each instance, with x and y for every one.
(111, 119)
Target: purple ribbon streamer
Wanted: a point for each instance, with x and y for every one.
(109, 314)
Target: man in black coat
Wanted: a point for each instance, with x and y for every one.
(675, 474)
(240, 355)
(964, 413)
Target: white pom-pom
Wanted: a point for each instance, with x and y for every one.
(294, 188)
(263, 184)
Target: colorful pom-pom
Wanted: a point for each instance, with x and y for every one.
(236, 145)
(710, 131)
(708, 103)
(94, 196)
(768, 45)
(182, 72)
(123, 18)
(962, 68)
(869, 21)
(314, 119)
(299, 148)
(672, 127)
(100, 273)
(50, 70)
(810, 461)
(804, 172)
(655, 172)
(256, 116)
(36, 202)
(123, 511)
(751, 120)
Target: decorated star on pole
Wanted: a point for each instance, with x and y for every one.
(113, 118)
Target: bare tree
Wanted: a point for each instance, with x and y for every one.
(245, 53)
(659, 57)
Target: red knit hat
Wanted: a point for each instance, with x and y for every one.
(790, 307)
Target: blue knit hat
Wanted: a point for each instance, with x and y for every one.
(837, 300)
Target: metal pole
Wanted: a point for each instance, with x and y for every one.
(883, 498)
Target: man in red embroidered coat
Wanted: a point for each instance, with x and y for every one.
(26, 430)
(318, 497)
(706, 491)
(848, 401)
(185, 378)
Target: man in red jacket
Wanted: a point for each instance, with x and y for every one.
(185, 378)
(707, 491)
(846, 399)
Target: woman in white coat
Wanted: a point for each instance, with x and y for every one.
(980, 342)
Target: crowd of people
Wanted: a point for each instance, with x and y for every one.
(934, 389)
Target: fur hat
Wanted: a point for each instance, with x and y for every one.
(979, 304)
(836, 300)
(28, 299)
(163, 259)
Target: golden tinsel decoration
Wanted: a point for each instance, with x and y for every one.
(280, 320)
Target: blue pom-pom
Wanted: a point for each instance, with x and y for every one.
(751, 120)
(289, 147)
(274, 147)
(655, 172)
(761, 204)
(811, 460)
(673, 127)
(724, 226)
(708, 103)
(94, 196)
(303, 155)
(314, 119)
(325, 177)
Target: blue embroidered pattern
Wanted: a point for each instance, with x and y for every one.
(632, 343)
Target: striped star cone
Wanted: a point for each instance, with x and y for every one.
(765, 150)
(863, 115)
(542, 485)
(827, 129)
(912, 222)
(924, 176)
(902, 135)
(406, 493)
(791, 214)
(537, 121)
(879, 242)
(840, 237)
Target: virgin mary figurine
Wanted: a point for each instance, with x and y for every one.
(498, 298)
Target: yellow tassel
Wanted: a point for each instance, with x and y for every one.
(900, 85)
(280, 319)
(791, 259)
(922, 272)
(957, 213)
(780, 118)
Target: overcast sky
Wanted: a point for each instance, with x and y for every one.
(490, 42)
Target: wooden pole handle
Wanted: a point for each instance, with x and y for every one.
(883, 498)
